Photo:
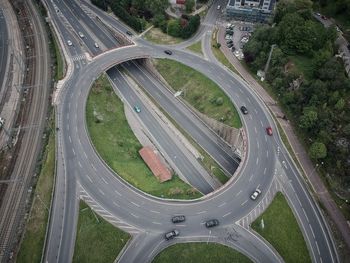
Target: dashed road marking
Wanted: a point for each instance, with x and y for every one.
(244, 202)
(226, 214)
(221, 205)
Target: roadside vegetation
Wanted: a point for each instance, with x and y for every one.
(156, 36)
(199, 91)
(137, 13)
(97, 240)
(34, 235)
(311, 86)
(117, 145)
(215, 47)
(196, 47)
(276, 219)
(200, 252)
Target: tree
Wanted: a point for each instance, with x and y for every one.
(308, 119)
(174, 28)
(318, 150)
(189, 5)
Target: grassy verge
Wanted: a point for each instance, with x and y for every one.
(59, 60)
(219, 55)
(200, 252)
(156, 36)
(196, 47)
(97, 240)
(199, 91)
(282, 231)
(118, 146)
(34, 236)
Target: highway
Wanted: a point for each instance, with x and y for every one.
(81, 173)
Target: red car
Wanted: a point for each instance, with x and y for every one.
(269, 131)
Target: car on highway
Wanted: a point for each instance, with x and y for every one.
(128, 33)
(178, 219)
(255, 194)
(269, 131)
(168, 52)
(137, 109)
(218, 8)
(211, 223)
(81, 34)
(244, 110)
(96, 45)
(69, 43)
(229, 41)
(230, 45)
(171, 234)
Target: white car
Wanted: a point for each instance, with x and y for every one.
(81, 35)
(96, 45)
(69, 43)
(256, 193)
(218, 8)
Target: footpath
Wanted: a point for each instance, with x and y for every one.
(310, 171)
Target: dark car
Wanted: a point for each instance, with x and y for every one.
(244, 110)
(137, 109)
(212, 223)
(229, 41)
(168, 52)
(230, 45)
(178, 219)
(128, 33)
(171, 234)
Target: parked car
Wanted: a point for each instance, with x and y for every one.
(255, 194)
(269, 131)
(137, 109)
(229, 41)
(230, 45)
(171, 234)
(178, 219)
(244, 110)
(212, 223)
(168, 52)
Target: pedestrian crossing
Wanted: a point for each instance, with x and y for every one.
(79, 57)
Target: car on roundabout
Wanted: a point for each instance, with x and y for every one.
(171, 234)
(269, 131)
(178, 219)
(137, 109)
(244, 110)
(255, 194)
(168, 52)
(211, 223)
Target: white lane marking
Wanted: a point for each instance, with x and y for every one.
(312, 231)
(265, 171)
(249, 101)
(89, 178)
(101, 191)
(256, 111)
(85, 155)
(239, 193)
(117, 193)
(156, 212)
(262, 125)
(256, 131)
(135, 204)
(257, 161)
(267, 154)
(156, 223)
(318, 249)
(80, 164)
(180, 225)
(116, 204)
(73, 151)
(307, 219)
(94, 167)
(244, 202)
(222, 204)
(227, 214)
(136, 216)
(104, 180)
(251, 177)
(201, 212)
(70, 139)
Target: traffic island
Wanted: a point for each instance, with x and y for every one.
(117, 145)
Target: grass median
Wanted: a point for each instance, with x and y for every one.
(281, 229)
(199, 91)
(117, 145)
(97, 240)
(34, 235)
(196, 47)
(200, 252)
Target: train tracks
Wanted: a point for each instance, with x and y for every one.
(32, 115)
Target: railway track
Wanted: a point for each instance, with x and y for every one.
(32, 116)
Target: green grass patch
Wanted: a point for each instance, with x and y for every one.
(97, 240)
(199, 91)
(304, 65)
(34, 236)
(155, 35)
(196, 47)
(117, 145)
(282, 231)
(200, 252)
(59, 60)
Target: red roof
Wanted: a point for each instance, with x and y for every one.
(180, 2)
(154, 163)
